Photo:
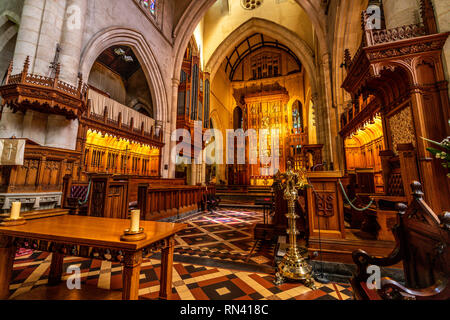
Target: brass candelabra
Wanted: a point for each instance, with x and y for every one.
(294, 264)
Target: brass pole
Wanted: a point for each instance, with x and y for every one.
(294, 265)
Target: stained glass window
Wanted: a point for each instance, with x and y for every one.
(150, 5)
(297, 117)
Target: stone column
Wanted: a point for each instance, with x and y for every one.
(401, 12)
(49, 36)
(28, 35)
(204, 173)
(193, 175)
(72, 39)
(173, 124)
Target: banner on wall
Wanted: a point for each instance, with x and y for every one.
(12, 152)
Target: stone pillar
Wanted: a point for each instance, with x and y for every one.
(71, 40)
(193, 175)
(49, 36)
(401, 12)
(61, 133)
(28, 35)
(173, 124)
(203, 173)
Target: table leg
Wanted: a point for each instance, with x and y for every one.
(165, 291)
(130, 275)
(56, 268)
(7, 255)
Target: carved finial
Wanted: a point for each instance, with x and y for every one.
(57, 70)
(416, 188)
(347, 58)
(428, 17)
(10, 68)
(401, 208)
(80, 81)
(26, 64)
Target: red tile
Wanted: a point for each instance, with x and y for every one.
(199, 294)
(266, 284)
(310, 295)
(243, 286)
(205, 283)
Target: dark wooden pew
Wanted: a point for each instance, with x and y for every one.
(422, 245)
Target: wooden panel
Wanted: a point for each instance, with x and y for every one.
(326, 208)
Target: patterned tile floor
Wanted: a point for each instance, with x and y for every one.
(224, 237)
(190, 282)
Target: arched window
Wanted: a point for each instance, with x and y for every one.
(297, 117)
(150, 5)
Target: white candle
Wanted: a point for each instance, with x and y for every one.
(15, 210)
(135, 216)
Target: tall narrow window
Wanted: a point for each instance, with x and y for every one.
(150, 5)
(194, 103)
(206, 118)
(297, 117)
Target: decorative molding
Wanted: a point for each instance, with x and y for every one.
(325, 204)
(25, 91)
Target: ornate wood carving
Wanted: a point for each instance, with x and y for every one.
(422, 245)
(48, 95)
(325, 204)
(404, 66)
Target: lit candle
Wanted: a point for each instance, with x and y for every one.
(15, 210)
(135, 216)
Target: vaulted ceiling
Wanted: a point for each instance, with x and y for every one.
(224, 17)
(118, 63)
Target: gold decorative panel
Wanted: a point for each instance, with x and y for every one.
(402, 128)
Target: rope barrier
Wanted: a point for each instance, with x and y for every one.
(350, 202)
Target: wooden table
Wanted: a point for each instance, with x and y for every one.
(94, 238)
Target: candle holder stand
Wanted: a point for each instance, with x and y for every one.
(8, 222)
(131, 236)
(294, 264)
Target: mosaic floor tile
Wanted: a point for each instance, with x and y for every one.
(213, 237)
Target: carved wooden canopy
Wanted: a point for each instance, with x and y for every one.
(386, 66)
(44, 94)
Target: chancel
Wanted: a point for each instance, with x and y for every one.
(224, 150)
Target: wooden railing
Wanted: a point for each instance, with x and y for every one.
(112, 197)
(168, 201)
(375, 37)
(123, 129)
(46, 94)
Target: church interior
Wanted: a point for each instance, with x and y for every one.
(224, 150)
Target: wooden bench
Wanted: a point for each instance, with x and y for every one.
(422, 245)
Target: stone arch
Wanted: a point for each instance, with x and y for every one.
(271, 29)
(132, 38)
(197, 9)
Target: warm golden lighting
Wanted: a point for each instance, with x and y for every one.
(106, 153)
(362, 148)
